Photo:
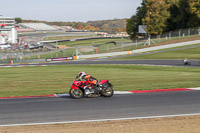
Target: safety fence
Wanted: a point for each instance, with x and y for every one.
(98, 46)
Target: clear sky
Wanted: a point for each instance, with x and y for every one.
(69, 10)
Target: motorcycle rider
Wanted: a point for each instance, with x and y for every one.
(186, 61)
(82, 76)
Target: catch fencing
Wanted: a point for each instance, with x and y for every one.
(118, 46)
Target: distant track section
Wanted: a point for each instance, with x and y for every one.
(155, 62)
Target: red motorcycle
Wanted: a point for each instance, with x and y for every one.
(80, 89)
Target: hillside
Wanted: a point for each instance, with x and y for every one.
(116, 25)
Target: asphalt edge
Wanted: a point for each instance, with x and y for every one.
(115, 92)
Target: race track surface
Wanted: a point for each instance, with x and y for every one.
(194, 63)
(42, 110)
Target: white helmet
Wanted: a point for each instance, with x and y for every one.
(81, 74)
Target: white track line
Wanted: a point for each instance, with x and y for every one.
(100, 120)
(122, 92)
(115, 92)
(198, 88)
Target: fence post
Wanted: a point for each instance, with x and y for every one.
(76, 51)
(199, 31)
(159, 38)
(180, 33)
(189, 32)
(170, 34)
(122, 42)
(136, 42)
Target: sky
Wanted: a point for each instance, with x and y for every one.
(69, 10)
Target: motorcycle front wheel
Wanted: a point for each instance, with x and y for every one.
(107, 90)
(77, 94)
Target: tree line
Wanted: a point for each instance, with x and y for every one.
(116, 25)
(164, 15)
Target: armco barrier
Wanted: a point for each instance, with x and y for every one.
(105, 54)
(27, 61)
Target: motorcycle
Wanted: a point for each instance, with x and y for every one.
(186, 61)
(80, 89)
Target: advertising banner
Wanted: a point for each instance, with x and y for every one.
(59, 59)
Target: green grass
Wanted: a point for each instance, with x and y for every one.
(103, 48)
(67, 37)
(191, 53)
(57, 79)
(92, 42)
(53, 54)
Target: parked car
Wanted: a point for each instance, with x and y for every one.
(4, 46)
(20, 48)
(33, 46)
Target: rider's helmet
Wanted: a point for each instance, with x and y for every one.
(81, 75)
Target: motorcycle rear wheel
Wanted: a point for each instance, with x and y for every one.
(107, 90)
(76, 94)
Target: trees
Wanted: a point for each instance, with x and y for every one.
(179, 15)
(132, 26)
(152, 13)
(156, 16)
(184, 14)
(194, 10)
(165, 15)
(194, 7)
(135, 20)
(172, 21)
(18, 20)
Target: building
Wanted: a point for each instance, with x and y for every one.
(8, 32)
(35, 27)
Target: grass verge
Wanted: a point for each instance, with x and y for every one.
(57, 79)
(191, 53)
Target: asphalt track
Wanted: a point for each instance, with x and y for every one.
(66, 109)
(194, 63)
(43, 110)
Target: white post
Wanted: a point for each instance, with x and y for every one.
(3, 39)
(136, 42)
(199, 31)
(44, 35)
(122, 43)
(56, 45)
(20, 39)
(159, 38)
(76, 51)
(149, 40)
(188, 32)
(13, 35)
(180, 33)
(170, 34)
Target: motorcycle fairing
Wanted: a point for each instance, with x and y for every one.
(103, 81)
